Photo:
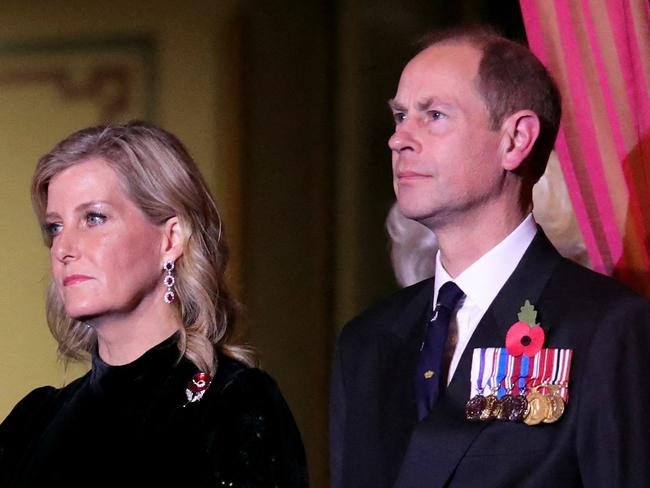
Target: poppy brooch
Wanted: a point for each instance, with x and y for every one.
(520, 382)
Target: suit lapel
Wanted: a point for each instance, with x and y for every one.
(398, 353)
(441, 440)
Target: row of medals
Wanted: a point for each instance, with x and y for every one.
(532, 409)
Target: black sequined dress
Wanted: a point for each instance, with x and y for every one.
(132, 425)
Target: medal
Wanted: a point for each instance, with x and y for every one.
(493, 405)
(505, 407)
(477, 403)
(518, 405)
(520, 382)
(474, 407)
(550, 370)
(538, 403)
(491, 408)
(538, 408)
(556, 405)
(513, 408)
(518, 410)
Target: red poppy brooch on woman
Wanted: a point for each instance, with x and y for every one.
(197, 387)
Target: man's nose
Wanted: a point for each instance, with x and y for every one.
(403, 139)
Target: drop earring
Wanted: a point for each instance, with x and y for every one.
(169, 281)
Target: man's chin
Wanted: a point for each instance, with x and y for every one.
(432, 220)
(415, 212)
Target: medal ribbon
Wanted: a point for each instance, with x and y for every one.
(494, 374)
(493, 367)
(556, 370)
(566, 355)
(507, 381)
(561, 368)
(478, 370)
(551, 367)
(524, 369)
(502, 372)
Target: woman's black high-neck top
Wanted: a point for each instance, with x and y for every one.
(132, 425)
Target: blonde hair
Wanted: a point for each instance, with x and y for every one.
(161, 178)
(553, 210)
(413, 248)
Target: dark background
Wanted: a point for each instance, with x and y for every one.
(316, 172)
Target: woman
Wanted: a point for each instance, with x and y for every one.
(138, 256)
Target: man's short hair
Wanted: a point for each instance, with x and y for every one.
(511, 78)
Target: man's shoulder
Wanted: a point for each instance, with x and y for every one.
(594, 305)
(389, 312)
(591, 286)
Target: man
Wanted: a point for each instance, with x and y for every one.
(476, 117)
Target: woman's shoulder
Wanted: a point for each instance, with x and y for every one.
(38, 403)
(255, 441)
(30, 404)
(234, 378)
(27, 420)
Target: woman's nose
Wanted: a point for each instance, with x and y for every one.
(65, 246)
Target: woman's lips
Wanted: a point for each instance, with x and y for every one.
(75, 279)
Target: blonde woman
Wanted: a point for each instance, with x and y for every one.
(138, 255)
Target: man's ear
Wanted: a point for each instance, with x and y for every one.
(173, 239)
(520, 131)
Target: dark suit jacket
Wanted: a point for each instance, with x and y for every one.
(603, 439)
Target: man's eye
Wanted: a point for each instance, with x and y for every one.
(95, 218)
(52, 228)
(435, 115)
(399, 117)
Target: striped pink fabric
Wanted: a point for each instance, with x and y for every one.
(599, 53)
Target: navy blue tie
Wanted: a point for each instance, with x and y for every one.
(429, 376)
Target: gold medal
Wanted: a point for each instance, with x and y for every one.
(538, 407)
(556, 405)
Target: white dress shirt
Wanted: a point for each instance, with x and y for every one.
(481, 282)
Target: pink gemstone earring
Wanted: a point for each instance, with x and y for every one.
(169, 281)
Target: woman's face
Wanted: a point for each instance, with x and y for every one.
(106, 256)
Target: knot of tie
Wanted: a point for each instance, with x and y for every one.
(448, 297)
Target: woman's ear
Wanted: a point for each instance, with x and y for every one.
(520, 131)
(173, 239)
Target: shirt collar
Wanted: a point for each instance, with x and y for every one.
(483, 279)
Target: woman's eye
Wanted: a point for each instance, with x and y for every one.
(95, 218)
(52, 228)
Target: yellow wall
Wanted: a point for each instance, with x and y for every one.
(193, 98)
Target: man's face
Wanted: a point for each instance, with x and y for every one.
(445, 156)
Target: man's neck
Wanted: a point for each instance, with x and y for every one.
(464, 241)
